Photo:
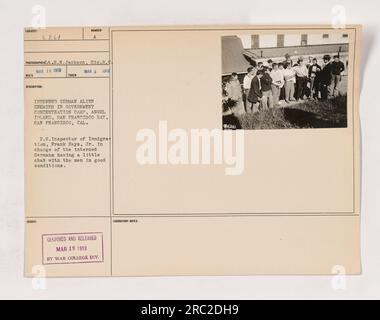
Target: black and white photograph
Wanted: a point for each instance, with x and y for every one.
(285, 81)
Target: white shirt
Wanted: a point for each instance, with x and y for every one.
(247, 81)
(301, 71)
(277, 77)
(289, 75)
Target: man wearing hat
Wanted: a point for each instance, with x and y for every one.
(302, 74)
(326, 78)
(288, 60)
(266, 89)
(255, 95)
(337, 67)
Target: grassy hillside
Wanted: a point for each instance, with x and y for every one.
(307, 114)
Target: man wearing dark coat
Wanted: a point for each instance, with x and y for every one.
(337, 67)
(255, 94)
(325, 77)
(266, 90)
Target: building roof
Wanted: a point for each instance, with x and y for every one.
(295, 50)
(233, 59)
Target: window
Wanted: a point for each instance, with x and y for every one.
(325, 36)
(255, 41)
(280, 40)
(303, 39)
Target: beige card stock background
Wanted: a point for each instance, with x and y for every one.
(295, 209)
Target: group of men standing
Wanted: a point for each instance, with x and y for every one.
(266, 84)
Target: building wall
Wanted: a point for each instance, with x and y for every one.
(332, 38)
(269, 41)
(290, 40)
